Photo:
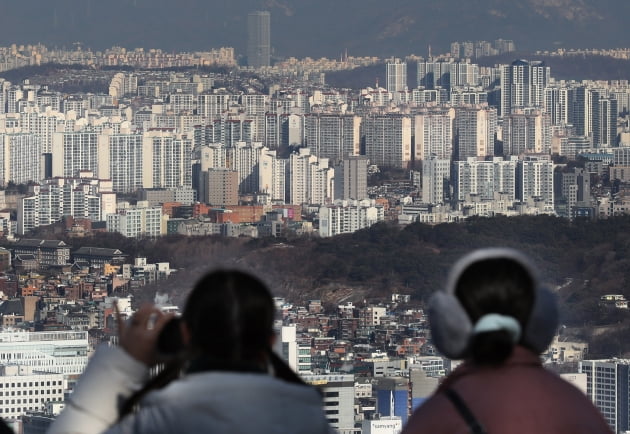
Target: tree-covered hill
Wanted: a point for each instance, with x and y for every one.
(580, 260)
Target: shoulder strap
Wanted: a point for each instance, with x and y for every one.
(464, 411)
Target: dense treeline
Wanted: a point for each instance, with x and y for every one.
(582, 260)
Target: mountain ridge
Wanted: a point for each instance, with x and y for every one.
(324, 28)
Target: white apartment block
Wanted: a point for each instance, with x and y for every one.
(20, 158)
(211, 105)
(61, 352)
(526, 133)
(345, 217)
(75, 104)
(168, 160)
(24, 389)
(310, 179)
(485, 178)
(396, 76)
(256, 106)
(230, 130)
(55, 198)
(421, 96)
(332, 136)
(447, 74)
(123, 84)
(436, 174)
(244, 158)
(535, 181)
(76, 151)
(433, 131)
(388, 139)
(43, 122)
(523, 85)
(182, 103)
(212, 156)
(272, 175)
(378, 97)
(475, 129)
(321, 182)
(126, 161)
(351, 175)
(286, 346)
(136, 221)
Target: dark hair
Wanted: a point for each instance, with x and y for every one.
(498, 285)
(230, 315)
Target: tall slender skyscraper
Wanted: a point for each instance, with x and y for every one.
(258, 39)
(396, 76)
(523, 85)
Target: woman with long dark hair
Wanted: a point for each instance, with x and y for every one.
(495, 316)
(221, 376)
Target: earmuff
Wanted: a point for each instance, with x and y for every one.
(452, 329)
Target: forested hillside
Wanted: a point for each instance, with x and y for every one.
(582, 260)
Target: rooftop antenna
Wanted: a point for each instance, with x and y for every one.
(430, 52)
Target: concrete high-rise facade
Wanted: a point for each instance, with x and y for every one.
(46, 204)
(447, 74)
(351, 178)
(62, 352)
(396, 76)
(310, 179)
(272, 175)
(337, 393)
(485, 178)
(244, 158)
(436, 174)
(332, 136)
(170, 159)
(388, 139)
(572, 189)
(220, 187)
(526, 133)
(75, 151)
(523, 85)
(259, 39)
(604, 118)
(434, 134)
(535, 181)
(20, 158)
(475, 129)
(607, 385)
(126, 161)
(136, 221)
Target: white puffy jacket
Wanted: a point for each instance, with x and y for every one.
(208, 402)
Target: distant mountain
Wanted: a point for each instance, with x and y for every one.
(317, 28)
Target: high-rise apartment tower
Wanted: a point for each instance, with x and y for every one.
(258, 39)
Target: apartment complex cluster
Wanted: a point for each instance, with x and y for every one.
(497, 140)
(16, 56)
(481, 141)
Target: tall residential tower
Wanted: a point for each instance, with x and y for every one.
(258, 39)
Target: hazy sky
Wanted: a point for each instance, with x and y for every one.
(308, 28)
